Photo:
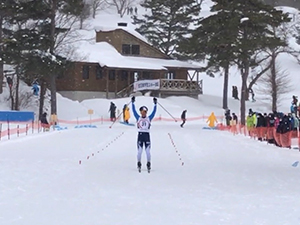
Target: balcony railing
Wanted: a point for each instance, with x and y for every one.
(180, 85)
(166, 85)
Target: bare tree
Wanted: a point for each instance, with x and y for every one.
(274, 84)
(284, 32)
(85, 13)
(121, 5)
(1, 60)
(96, 6)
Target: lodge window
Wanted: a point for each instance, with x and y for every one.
(60, 75)
(111, 75)
(124, 75)
(135, 49)
(85, 72)
(99, 72)
(126, 49)
(146, 75)
(130, 49)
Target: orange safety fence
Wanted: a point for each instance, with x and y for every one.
(21, 128)
(157, 118)
(264, 133)
(37, 125)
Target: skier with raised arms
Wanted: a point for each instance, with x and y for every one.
(143, 125)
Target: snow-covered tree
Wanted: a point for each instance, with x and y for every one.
(121, 5)
(96, 6)
(236, 32)
(168, 22)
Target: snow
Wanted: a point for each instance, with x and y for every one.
(244, 19)
(214, 177)
(84, 176)
(106, 55)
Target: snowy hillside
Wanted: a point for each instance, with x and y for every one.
(213, 87)
(88, 176)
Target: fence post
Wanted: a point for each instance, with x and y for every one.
(0, 130)
(18, 131)
(32, 126)
(8, 130)
(26, 129)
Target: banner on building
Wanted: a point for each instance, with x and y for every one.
(142, 85)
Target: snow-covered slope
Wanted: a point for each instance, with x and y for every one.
(206, 177)
(89, 176)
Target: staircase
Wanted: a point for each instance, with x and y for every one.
(125, 92)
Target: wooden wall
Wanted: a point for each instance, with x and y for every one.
(119, 37)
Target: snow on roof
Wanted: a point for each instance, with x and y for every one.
(106, 55)
(128, 29)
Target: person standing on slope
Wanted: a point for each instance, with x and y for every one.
(183, 118)
(143, 125)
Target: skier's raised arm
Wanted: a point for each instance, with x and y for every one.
(136, 115)
(151, 116)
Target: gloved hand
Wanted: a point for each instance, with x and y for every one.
(155, 100)
(133, 99)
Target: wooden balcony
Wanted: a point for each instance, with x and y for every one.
(174, 87)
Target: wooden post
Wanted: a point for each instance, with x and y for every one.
(107, 83)
(128, 78)
(116, 82)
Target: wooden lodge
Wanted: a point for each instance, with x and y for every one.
(120, 57)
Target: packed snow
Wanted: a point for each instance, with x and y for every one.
(87, 176)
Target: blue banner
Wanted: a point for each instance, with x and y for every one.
(16, 116)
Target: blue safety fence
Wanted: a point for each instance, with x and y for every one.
(16, 116)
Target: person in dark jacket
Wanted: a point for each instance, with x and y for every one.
(44, 122)
(270, 123)
(228, 117)
(260, 120)
(112, 110)
(270, 120)
(235, 118)
(44, 119)
(124, 110)
(183, 118)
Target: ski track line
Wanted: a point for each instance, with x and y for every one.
(104, 147)
(176, 150)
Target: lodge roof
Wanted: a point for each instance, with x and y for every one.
(107, 56)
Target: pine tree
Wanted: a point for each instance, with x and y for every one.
(235, 32)
(168, 23)
(6, 7)
(22, 36)
(212, 42)
(35, 46)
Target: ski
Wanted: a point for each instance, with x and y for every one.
(139, 166)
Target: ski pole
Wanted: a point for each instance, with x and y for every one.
(118, 116)
(167, 112)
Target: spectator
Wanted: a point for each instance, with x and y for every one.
(227, 117)
(252, 94)
(183, 118)
(112, 110)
